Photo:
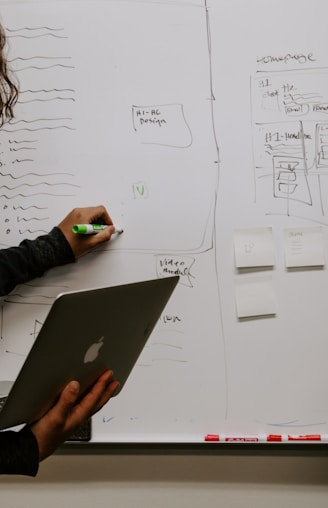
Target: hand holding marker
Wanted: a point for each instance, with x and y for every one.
(91, 229)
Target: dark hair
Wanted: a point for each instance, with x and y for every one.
(8, 90)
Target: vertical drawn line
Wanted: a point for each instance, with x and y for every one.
(214, 239)
(303, 147)
(306, 170)
(320, 194)
(273, 178)
(252, 131)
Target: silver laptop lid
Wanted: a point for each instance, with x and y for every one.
(85, 333)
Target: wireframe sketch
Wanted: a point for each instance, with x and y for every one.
(290, 110)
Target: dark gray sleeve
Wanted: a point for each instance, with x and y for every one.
(19, 453)
(32, 258)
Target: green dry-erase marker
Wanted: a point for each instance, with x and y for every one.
(91, 229)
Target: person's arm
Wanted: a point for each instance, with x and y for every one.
(32, 258)
(21, 452)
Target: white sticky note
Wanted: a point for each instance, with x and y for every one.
(304, 247)
(254, 247)
(255, 296)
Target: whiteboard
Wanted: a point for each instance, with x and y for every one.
(202, 127)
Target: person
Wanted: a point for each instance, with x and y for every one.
(32, 258)
(22, 451)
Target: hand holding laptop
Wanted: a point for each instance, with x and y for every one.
(62, 420)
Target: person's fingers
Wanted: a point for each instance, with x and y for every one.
(100, 214)
(67, 400)
(98, 238)
(97, 396)
(54, 427)
(68, 414)
(106, 395)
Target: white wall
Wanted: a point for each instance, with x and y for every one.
(232, 479)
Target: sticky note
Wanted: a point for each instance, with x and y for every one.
(255, 296)
(304, 247)
(254, 247)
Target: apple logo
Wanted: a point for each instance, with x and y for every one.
(93, 351)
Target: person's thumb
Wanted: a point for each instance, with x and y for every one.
(68, 397)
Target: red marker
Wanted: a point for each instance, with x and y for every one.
(269, 438)
(274, 438)
(232, 439)
(305, 437)
(241, 439)
(212, 437)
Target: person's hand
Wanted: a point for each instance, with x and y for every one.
(66, 416)
(81, 244)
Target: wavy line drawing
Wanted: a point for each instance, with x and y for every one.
(48, 90)
(40, 120)
(17, 142)
(39, 129)
(40, 57)
(23, 148)
(175, 346)
(300, 99)
(36, 194)
(281, 146)
(33, 174)
(48, 100)
(37, 36)
(9, 300)
(37, 185)
(19, 295)
(46, 285)
(44, 95)
(35, 67)
(24, 219)
(24, 208)
(31, 29)
(22, 160)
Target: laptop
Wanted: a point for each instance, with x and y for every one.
(85, 333)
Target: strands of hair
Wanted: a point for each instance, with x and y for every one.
(8, 89)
